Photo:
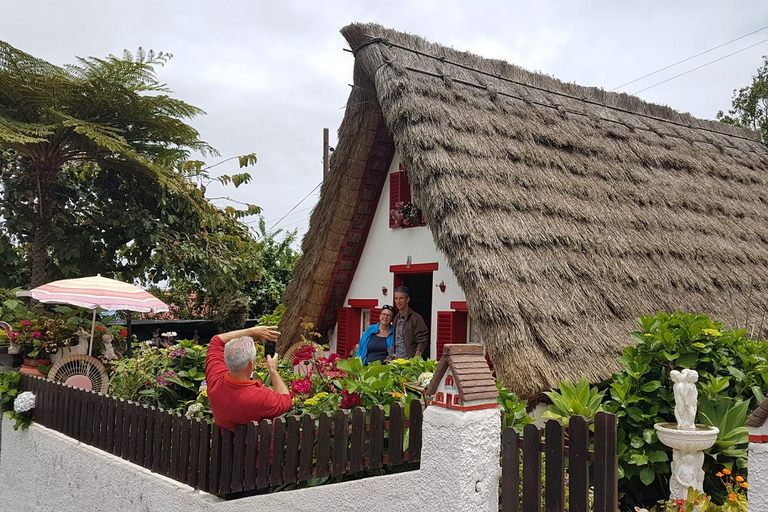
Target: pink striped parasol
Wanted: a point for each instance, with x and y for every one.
(97, 293)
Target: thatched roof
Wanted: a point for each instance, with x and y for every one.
(565, 212)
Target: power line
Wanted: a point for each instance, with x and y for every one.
(699, 67)
(689, 58)
(296, 206)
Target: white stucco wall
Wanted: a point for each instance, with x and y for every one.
(459, 472)
(386, 246)
(757, 467)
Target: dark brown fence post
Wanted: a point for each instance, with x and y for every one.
(238, 459)
(225, 468)
(291, 462)
(510, 470)
(357, 448)
(414, 430)
(250, 455)
(278, 455)
(340, 434)
(307, 447)
(395, 448)
(555, 467)
(531, 468)
(204, 456)
(186, 452)
(606, 467)
(376, 440)
(265, 448)
(214, 476)
(578, 464)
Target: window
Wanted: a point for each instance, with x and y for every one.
(400, 201)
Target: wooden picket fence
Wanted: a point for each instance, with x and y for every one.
(257, 456)
(584, 469)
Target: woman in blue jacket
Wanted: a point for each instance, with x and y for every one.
(376, 342)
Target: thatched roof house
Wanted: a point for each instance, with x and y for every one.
(565, 212)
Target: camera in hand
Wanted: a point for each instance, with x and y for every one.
(269, 348)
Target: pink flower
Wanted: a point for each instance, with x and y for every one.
(36, 334)
(333, 357)
(349, 400)
(160, 380)
(25, 323)
(302, 386)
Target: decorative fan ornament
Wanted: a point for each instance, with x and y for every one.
(291, 352)
(81, 371)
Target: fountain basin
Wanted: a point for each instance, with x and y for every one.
(687, 440)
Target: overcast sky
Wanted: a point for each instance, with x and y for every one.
(272, 75)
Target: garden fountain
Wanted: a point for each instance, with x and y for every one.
(687, 439)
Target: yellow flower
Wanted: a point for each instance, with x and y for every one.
(400, 360)
(396, 394)
(699, 345)
(732, 496)
(744, 485)
(712, 332)
(726, 471)
(314, 400)
(719, 475)
(197, 347)
(204, 392)
(739, 478)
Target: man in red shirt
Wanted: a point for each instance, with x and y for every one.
(235, 398)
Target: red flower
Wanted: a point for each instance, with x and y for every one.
(25, 323)
(123, 333)
(333, 357)
(302, 386)
(349, 400)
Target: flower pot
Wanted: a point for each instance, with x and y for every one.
(30, 367)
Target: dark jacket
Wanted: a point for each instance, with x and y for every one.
(415, 332)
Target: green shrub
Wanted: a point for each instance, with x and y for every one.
(732, 371)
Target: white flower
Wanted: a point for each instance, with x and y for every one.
(193, 408)
(24, 402)
(424, 379)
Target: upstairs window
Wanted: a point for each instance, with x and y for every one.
(403, 213)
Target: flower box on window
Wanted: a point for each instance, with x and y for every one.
(406, 214)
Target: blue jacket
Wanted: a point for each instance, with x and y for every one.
(362, 348)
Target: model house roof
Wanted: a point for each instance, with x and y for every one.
(470, 372)
(564, 211)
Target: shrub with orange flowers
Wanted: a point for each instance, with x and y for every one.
(736, 487)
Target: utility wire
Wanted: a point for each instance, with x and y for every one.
(689, 58)
(296, 206)
(699, 67)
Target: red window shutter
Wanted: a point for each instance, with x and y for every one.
(451, 328)
(399, 190)
(348, 330)
(375, 312)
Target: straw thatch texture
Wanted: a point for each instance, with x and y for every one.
(564, 211)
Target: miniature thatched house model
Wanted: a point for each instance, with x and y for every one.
(462, 380)
(560, 213)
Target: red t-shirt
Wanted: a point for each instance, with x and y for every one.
(238, 402)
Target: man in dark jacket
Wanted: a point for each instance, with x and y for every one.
(411, 333)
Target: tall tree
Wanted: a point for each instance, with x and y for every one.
(112, 113)
(750, 104)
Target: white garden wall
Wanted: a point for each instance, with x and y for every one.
(42, 470)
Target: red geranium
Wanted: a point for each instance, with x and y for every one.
(302, 386)
(349, 400)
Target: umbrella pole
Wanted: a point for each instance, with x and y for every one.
(93, 327)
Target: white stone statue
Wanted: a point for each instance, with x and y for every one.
(686, 397)
(108, 352)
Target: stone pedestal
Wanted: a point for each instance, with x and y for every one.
(687, 456)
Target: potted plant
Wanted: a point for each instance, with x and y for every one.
(39, 338)
(406, 214)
